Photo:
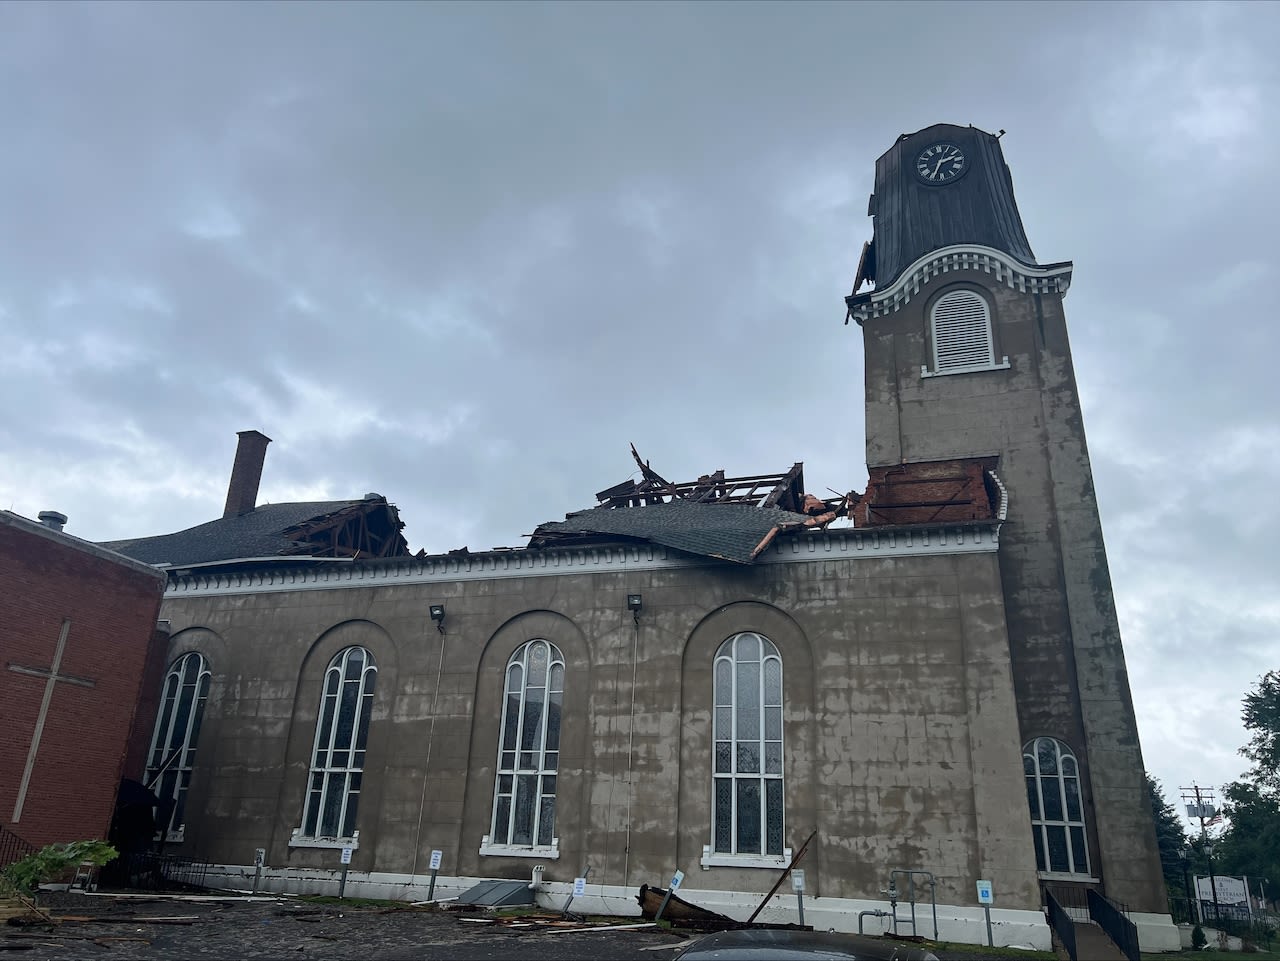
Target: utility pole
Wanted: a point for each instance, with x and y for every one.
(1204, 809)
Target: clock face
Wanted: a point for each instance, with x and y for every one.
(940, 163)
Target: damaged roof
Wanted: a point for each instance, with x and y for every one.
(368, 527)
(735, 519)
(728, 518)
(731, 532)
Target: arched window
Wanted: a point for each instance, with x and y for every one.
(342, 733)
(960, 331)
(747, 770)
(173, 746)
(1057, 811)
(524, 798)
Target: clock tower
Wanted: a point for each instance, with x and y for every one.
(967, 356)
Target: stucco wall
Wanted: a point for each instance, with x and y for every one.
(1068, 663)
(900, 730)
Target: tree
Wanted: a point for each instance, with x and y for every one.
(1261, 715)
(55, 860)
(1251, 846)
(1170, 838)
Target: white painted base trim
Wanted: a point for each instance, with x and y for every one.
(1156, 932)
(959, 923)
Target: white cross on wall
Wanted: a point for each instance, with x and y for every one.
(53, 677)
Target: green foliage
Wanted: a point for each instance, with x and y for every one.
(1198, 940)
(1251, 846)
(54, 860)
(1261, 715)
(1170, 838)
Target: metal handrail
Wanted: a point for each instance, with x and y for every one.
(1063, 926)
(13, 848)
(1113, 919)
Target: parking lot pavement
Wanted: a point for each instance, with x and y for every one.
(139, 929)
(166, 928)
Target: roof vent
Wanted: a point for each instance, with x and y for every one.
(54, 520)
(373, 496)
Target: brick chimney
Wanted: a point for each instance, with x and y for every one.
(246, 473)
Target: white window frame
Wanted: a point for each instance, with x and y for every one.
(1054, 785)
(730, 700)
(528, 760)
(976, 336)
(338, 752)
(175, 782)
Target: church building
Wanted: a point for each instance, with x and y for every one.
(923, 681)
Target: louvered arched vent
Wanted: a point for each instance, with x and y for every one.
(961, 324)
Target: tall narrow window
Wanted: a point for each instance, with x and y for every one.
(173, 746)
(524, 798)
(747, 771)
(960, 324)
(1057, 812)
(342, 732)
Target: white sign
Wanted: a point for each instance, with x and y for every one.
(1230, 890)
(259, 857)
(346, 855)
(797, 881)
(676, 879)
(985, 894)
(579, 887)
(435, 860)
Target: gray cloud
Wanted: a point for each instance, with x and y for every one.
(463, 254)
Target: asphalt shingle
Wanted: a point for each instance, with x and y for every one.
(255, 534)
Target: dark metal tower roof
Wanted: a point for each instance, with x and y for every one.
(913, 217)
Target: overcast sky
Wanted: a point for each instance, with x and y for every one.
(463, 255)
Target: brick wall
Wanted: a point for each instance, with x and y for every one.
(927, 493)
(112, 603)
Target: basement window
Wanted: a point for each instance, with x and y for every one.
(960, 335)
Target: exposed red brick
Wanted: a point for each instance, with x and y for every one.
(45, 579)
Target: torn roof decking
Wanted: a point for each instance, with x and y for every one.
(784, 491)
(332, 529)
(729, 518)
(735, 519)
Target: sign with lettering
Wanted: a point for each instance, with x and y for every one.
(985, 894)
(1229, 890)
(579, 887)
(346, 855)
(676, 879)
(436, 856)
(797, 881)
(259, 857)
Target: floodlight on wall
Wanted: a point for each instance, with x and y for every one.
(634, 604)
(437, 615)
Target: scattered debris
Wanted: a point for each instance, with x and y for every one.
(678, 910)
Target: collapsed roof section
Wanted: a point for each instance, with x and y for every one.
(736, 518)
(728, 518)
(366, 528)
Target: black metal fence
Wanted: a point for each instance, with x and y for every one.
(1063, 926)
(13, 848)
(149, 871)
(1113, 918)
